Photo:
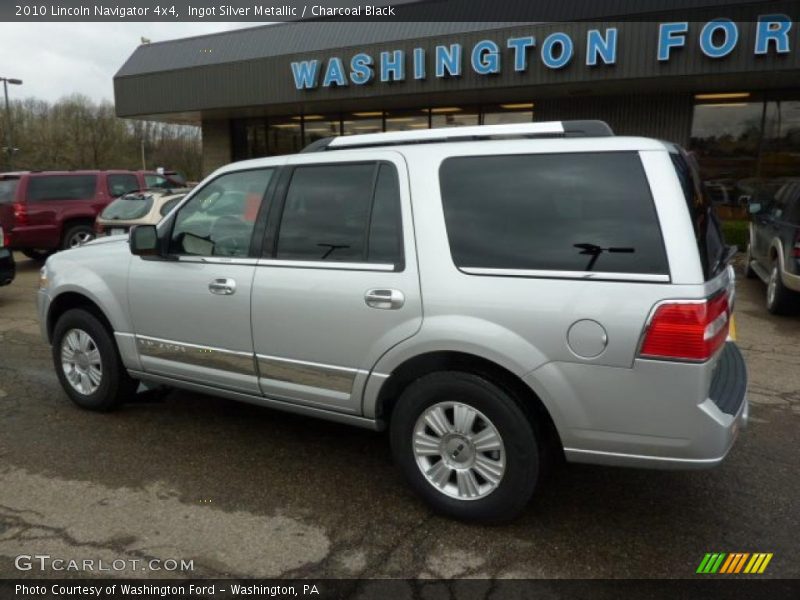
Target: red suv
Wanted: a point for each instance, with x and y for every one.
(46, 211)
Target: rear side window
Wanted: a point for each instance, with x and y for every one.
(121, 183)
(62, 187)
(555, 212)
(707, 231)
(342, 213)
(8, 190)
(156, 182)
(126, 208)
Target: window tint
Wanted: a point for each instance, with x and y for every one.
(169, 205)
(129, 207)
(568, 212)
(120, 183)
(62, 187)
(156, 182)
(8, 190)
(385, 232)
(707, 231)
(326, 213)
(219, 219)
(793, 203)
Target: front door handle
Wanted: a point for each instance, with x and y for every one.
(385, 299)
(222, 287)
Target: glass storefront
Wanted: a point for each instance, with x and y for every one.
(746, 146)
(271, 136)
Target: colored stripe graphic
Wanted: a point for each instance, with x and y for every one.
(733, 563)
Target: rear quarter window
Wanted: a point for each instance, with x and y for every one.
(574, 212)
(8, 190)
(62, 187)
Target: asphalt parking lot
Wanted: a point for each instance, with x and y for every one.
(245, 491)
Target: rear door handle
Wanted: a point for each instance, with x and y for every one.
(222, 287)
(385, 299)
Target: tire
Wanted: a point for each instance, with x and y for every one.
(95, 389)
(77, 235)
(748, 270)
(436, 396)
(37, 254)
(779, 298)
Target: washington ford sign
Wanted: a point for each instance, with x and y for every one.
(716, 40)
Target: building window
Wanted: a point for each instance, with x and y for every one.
(316, 127)
(407, 120)
(453, 116)
(780, 149)
(362, 122)
(501, 114)
(285, 135)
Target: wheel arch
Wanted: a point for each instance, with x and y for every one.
(450, 360)
(69, 300)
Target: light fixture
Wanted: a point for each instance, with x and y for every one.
(725, 104)
(443, 110)
(286, 126)
(308, 118)
(374, 113)
(724, 96)
(520, 106)
(399, 119)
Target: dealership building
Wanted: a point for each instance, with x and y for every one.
(725, 88)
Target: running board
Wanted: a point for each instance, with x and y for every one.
(762, 273)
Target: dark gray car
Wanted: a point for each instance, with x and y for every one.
(773, 253)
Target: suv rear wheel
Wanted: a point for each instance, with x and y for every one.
(87, 362)
(779, 298)
(465, 446)
(77, 235)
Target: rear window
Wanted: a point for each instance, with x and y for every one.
(8, 190)
(127, 208)
(557, 212)
(707, 230)
(62, 187)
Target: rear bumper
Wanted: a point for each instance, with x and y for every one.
(8, 269)
(657, 415)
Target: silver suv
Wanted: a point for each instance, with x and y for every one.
(497, 297)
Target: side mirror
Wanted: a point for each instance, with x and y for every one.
(143, 240)
(754, 208)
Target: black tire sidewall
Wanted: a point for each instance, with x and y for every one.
(519, 438)
(72, 231)
(783, 296)
(114, 382)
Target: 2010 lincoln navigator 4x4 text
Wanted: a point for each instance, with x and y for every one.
(494, 296)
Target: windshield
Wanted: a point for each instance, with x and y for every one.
(8, 190)
(129, 207)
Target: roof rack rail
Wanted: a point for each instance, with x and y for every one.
(456, 134)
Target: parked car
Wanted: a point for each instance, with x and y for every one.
(773, 253)
(7, 267)
(164, 179)
(495, 296)
(138, 208)
(46, 211)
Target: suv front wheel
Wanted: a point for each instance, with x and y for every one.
(87, 362)
(465, 446)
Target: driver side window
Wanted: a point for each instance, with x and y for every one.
(219, 219)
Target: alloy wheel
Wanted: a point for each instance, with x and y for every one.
(459, 450)
(81, 361)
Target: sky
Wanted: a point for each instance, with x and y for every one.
(58, 59)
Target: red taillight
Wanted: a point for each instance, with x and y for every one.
(20, 214)
(687, 330)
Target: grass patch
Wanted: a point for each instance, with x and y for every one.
(736, 233)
